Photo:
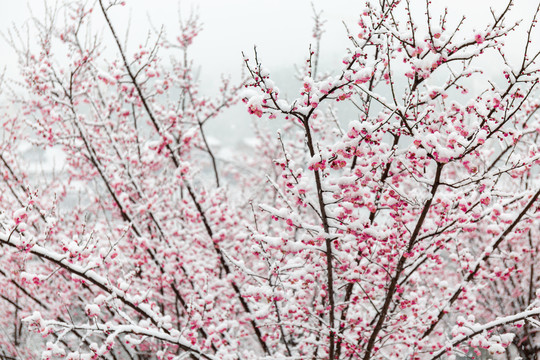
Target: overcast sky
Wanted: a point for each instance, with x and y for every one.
(281, 29)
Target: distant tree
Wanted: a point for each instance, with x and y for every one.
(410, 232)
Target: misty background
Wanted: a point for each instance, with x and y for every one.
(281, 30)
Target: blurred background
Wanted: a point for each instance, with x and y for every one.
(281, 30)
